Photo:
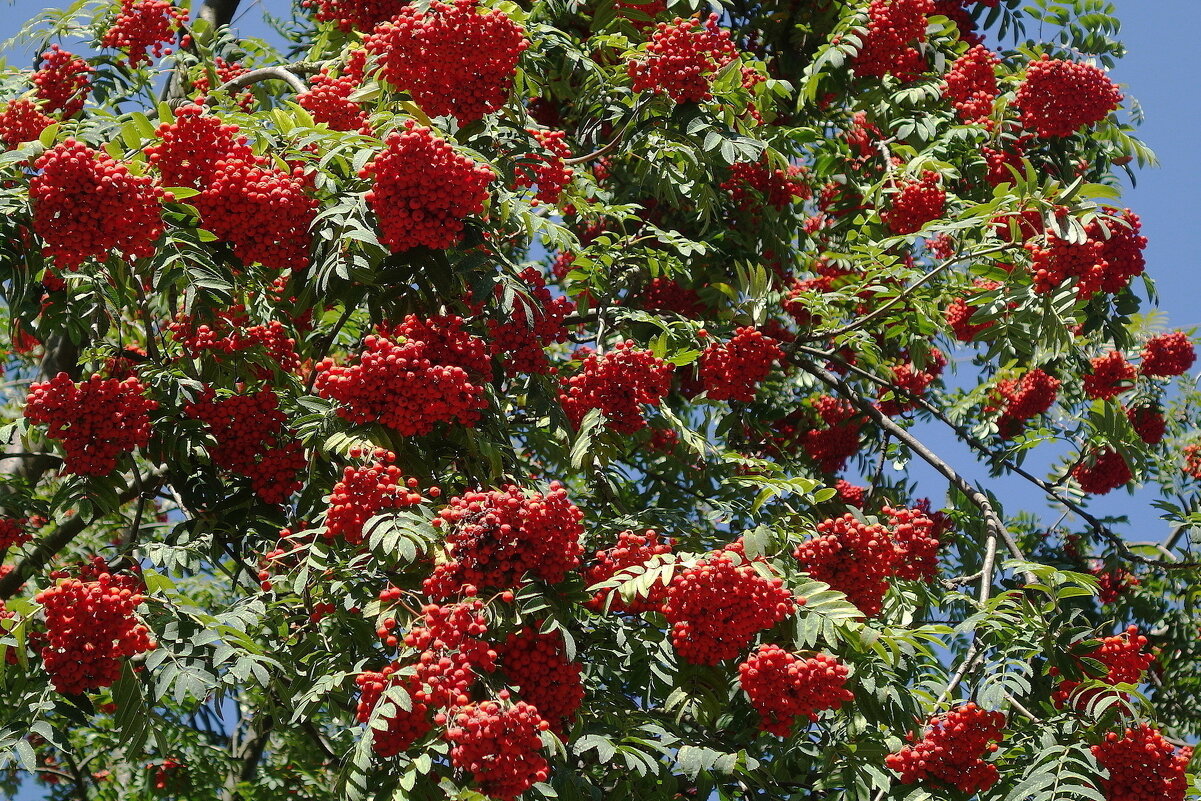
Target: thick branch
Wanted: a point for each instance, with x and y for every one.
(54, 542)
(264, 74)
(248, 754)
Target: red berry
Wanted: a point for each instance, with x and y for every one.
(716, 607)
(618, 383)
(494, 539)
(917, 202)
(499, 746)
(145, 25)
(1111, 376)
(86, 204)
(91, 625)
(1102, 471)
(894, 28)
(1142, 766)
(972, 84)
(733, 370)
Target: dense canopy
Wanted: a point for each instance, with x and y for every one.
(443, 400)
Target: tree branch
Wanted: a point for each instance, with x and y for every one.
(1049, 489)
(263, 74)
(903, 295)
(216, 13)
(53, 543)
(994, 526)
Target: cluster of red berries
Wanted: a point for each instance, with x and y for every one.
(1142, 766)
(500, 746)
(1105, 261)
(665, 295)
(917, 202)
(916, 536)
(1000, 162)
(952, 750)
(97, 420)
(451, 650)
(852, 556)
(1192, 461)
(682, 58)
(830, 446)
(63, 82)
(91, 625)
(86, 204)
(364, 492)
(190, 146)
(453, 58)
(404, 726)
(354, 15)
(908, 384)
(733, 370)
(630, 550)
(549, 172)
(447, 342)
(1148, 422)
(972, 84)
(959, 314)
(22, 121)
(1058, 97)
(494, 538)
(328, 97)
(1111, 375)
(1124, 661)
(894, 29)
(851, 494)
(231, 332)
(145, 25)
(619, 383)
(537, 665)
(1112, 583)
(398, 384)
(717, 606)
(1021, 399)
(753, 184)
(533, 323)
(1102, 471)
(783, 687)
(264, 212)
(14, 532)
(252, 440)
(1167, 355)
(422, 190)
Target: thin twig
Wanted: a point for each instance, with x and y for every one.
(903, 294)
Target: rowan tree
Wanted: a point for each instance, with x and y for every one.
(526, 399)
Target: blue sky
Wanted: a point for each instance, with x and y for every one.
(1160, 71)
